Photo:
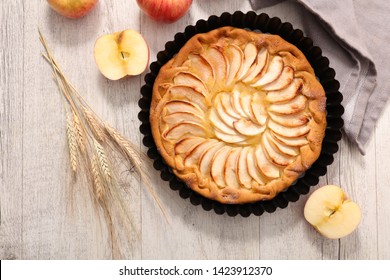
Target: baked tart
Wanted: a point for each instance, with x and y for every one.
(238, 115)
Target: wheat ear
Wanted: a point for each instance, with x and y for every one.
(97, 179)
(103, 161)
(79, 132)
(94, 125)
(70, 132)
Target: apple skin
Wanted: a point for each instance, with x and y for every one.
(165, 10)
(72, 8)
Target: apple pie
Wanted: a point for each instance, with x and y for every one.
(238, 115)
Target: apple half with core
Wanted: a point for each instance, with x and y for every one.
(121, 54)
(331, 213)
(165, 10)
(72, 8)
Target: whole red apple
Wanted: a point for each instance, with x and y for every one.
(72, 8)
(165, 10)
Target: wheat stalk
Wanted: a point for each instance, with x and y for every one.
(94, 144)
(70, 132)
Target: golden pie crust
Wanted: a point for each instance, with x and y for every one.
(238, 115)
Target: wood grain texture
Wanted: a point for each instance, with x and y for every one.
(38, 222)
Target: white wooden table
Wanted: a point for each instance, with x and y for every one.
(36, 222)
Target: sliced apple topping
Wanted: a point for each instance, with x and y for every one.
(175, 106)
(225, 117)
(187, 127)
(283, 81)
(274, 154)
(285, 94)
(186, 145)
(264, 165)
(257, 67)
(206, 158)
(217, 61)
(250, 54)
(218, 166)
(248, 128)
(245, 101)
(179, 117)
(258, 110)
(251, 165)
(293, 142)
(274, 70)
(285, 149)
(190, 94)
(288, 131)
(331, 213)
(237, 103)
(235, 57)
(192, 158)
(191, 80)
(226, 101)
(202, 68)
(219, 124)
(231, 168)
(290, 120)
(291, 107)
(228, 138)
(243, 175)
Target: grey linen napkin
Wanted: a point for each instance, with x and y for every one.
(355, 36)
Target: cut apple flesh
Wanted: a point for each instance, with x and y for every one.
(217, 61)
(206, 157)
(250, 54)
(283, 81)
(193, 157)
(248, 128)
(189, 94)
(331, 213)
(178, 106)
(202, 68)
(252, 170)
(187, 127)
(256, 68)
(286, 94)
(235, 57)
(290, 120)
(186, 145)
(218, 166)
(231, 167)
(273, 72)
(243, 175)
(227, 105)
(265, 166)
(291, 132)
(120, 54)
(292, 107)
(275, 155)
(179, 117)
(189, 79)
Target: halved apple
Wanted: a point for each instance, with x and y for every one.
(331, 213)
(121, 54)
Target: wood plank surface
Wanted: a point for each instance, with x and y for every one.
(37, 220)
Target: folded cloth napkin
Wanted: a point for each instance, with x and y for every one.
(355, 36)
